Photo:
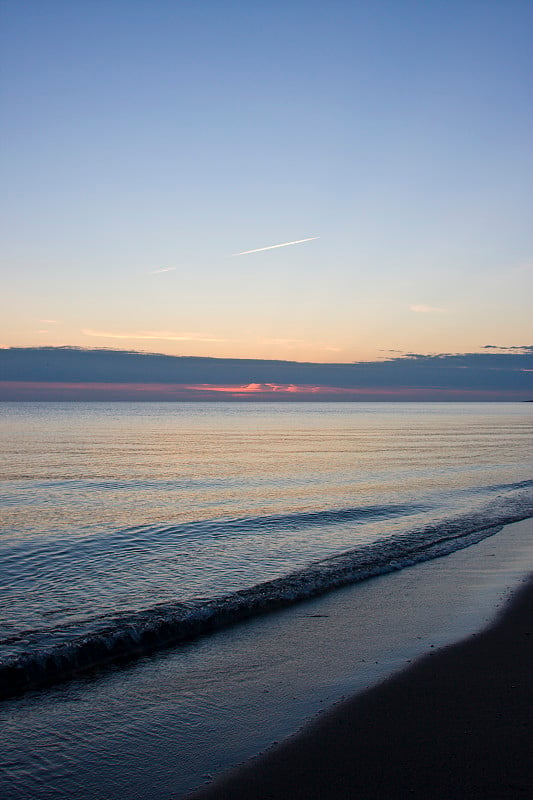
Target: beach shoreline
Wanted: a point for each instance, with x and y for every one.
(458, 723)
(203, 709)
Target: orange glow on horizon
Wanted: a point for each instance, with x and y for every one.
(87, 391)
(254, 388)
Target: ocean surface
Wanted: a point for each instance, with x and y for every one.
(134, 536)
(127, 528)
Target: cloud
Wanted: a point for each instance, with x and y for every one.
(517, 348)
(264, 388)
(159, 271)
(421, 309)
(486, 375)
(274, 246)
(168, 336)
(50, 321)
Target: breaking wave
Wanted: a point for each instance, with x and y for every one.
(126, 636)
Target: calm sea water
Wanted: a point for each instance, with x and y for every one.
(125, 527)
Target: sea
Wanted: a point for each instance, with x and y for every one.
(139, 541)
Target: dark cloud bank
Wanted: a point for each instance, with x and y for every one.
(63, 373)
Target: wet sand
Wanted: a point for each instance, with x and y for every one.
(457, 725)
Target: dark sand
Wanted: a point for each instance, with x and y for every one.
(456, 725)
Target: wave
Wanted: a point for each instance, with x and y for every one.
(241, 526)
(126, 636)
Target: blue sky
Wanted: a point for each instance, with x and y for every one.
(149, 136)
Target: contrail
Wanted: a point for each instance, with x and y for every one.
(159, 271)
(273, 246)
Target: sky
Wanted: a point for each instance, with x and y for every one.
(154, 152)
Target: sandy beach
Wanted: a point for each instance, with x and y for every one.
(457, 724)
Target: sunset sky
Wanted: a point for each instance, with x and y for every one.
(154, 152)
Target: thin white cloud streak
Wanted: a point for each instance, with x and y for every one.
(428, 310)
(168, 336)
(50, 321)
(274, 246)
(159, 271)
